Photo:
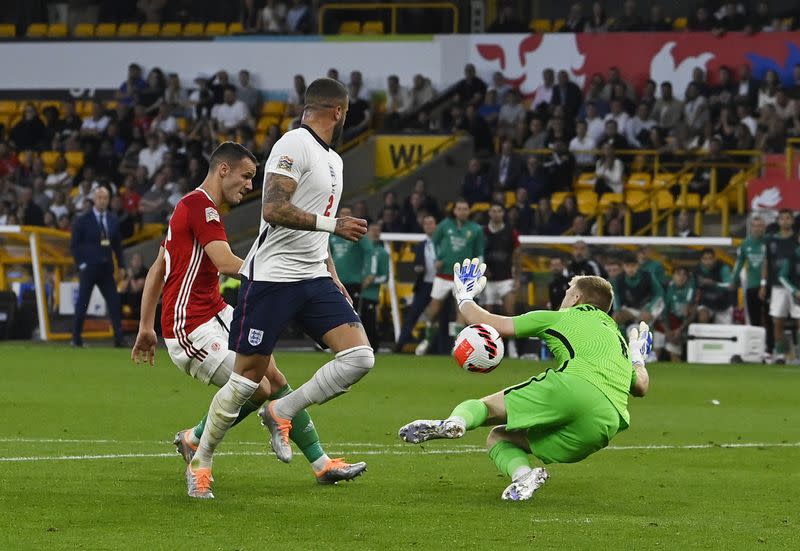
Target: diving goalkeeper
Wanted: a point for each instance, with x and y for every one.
(565, 414)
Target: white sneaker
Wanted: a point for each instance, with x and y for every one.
(422, 348)
(422, 430)
(524, 487)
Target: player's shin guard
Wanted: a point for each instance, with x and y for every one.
(224, 410)
(509, 459)
(331, 380)
(248, 408)
(473, 412)
(303, 432)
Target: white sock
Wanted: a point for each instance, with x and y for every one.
(224, 410)
(520, 472)
(458, 420)
(320, 463)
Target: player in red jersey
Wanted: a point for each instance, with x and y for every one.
(195, 320)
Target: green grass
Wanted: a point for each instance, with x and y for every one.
(635, 495)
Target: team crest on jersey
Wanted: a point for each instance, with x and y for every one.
(212, 214)
(254, 337)
(285, 162)
(216, 347)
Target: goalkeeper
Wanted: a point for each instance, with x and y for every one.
(565, 414)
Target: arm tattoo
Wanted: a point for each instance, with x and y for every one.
(278, 209)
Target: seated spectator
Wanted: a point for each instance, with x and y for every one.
(649, 93)
(413, 213)
(613, 83)
(152, 156)
(524, 220)
(679, 312)
(499, 85)
(701, 143)
(729, 19)
(785, 107)
(771, 134)
(574, 23)
(595, 95)
(359, 116)
(218, 84)
(175, 97)
(248, 94)
(8, 160)
(132, 284)
(71, 122)
(725, 90)
(559, 283)
(581, 146)
(59, 178)
(595, 125)
(699, 80)
(128, 91)
(490, 109)
(567, 211)
(297, 97)
(567, 94)
(715, 299)
(749, 86)
(536, 180)
(545, 221)
(141, 120)
(511, 112)
(390, 221)
(637, 295)
(96, 123)
(657, 21)
(39, 196)
(231, 113)
(702, 20)
(202, 98)
(152, 95)
(613, 136)
(398, 98)
(422, 92)
(153, 206)
(478, 129)
(684, 225)
(769, 89)
(50, 220)
(164, 121)
(357, 88)
(629, 21)
(429, 204)
(744, 113)
(743, 139)
(597, 22)
(725, 127)
(298, 18)
(695, 109)
(560, 167)
(637, 131)
(507, 168)
(29, 213)
(538, 135)
(668, 111)
(618, 114)
(580, 226)
(272, 18)
(127, 222)
(475, 187)
(471, 89)
(543, 94)
(29, 132)
(609, 172)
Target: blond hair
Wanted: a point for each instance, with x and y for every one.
(594, 290)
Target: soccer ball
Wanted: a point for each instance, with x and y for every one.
(478, 348)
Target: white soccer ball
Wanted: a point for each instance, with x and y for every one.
(478, 348)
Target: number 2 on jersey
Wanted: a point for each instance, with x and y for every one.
(328, 208)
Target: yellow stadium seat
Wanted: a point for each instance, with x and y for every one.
(74, 159)
(171, 30)
(680, 23)
(265, 122)
(541, 25)
(57, 30)
(193, 29)
(637, 200)
(585, 181)
(8, 30)
(511, 199)
(350, 27)
(105, 30)
(558, 24)
(128, 30)
(638, 180)
(479, 207)
(372, 27)
(49, 158)
(149, 30)
(285, 124)
(183, 124)
(557, 199)
(83, 108)
(587, 202)
(216, 29)
(664, 180)
(83, 30)
(663, 199)
(36, 30)
(609, 199)
(690, 201)
(235, 28)
(714, 202)
(8, 107)
(273, 108)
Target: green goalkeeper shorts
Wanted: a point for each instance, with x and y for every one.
(567, 418)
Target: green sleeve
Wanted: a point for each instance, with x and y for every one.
(656, 289)
(479, 246)
(668, 298)
(617, 300)
(368, 267)
(366, 246)
(725, 275)
(382, 271)
(437, 237)
(783, 276)
(535, 323)
(740, 257)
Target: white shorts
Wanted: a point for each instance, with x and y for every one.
(655, 311)
(212, 337)
(496, 290)
(723, 317)
(781, 304)
(441, 288)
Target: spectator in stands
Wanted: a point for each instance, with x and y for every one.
(702, 20)
(471, 89)
(748, 85)
(151, 96)
(50, 221)
(595, 125)
(359, 116)
(567, 94)
(761, 20)
(248, 94)
(725, 89)
(715, 299)
(129, 90)
(629, 21)
(132, 284)
(609, 172)
(580, 226)
(499, 85)
(560, 167)
(695, 109)
(637, 295)
(597, 22)
(699, 80)
(771, 133)
(743, 138)
(202, 98)
(575, 20)
(390, 220)
(422, 92)
(152, 156)
(729, 19)
(429, 204)
(29, 132)
(412, 213)
(96, 123)
(618, 114)
(175, 97)
(613, 136)
(582, 262)
(649, 93)
(684, 225)
(638, 128)
(64, 223)
(524, 217)
(30, 214)
(581, 146)
(153, 206)
(543, 94)
(769, 89)
(595, 95)
(490, 109)
(507, 21)
(785, 107)
(59, 206)
(272, 18)
(127, 223)
(298, 18)
(231, 113)
(357, 88)
(507, 168)
(398, 99)
(679, 312)
(511, 112)
(39, 195)
(668, 111)
(164, 121)
(657, 21)
(478, 129)
(218, 84)
(297, 97)
(475, 186)
(538, 135)
(536, 180)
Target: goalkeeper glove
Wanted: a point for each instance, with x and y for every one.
(468, 280)
(640, 342)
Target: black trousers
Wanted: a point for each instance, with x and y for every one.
(758, 314)
(420, 301)
(368, 312)
(355, 293)
(101, 275)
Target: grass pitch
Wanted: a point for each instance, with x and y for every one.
(86, 463)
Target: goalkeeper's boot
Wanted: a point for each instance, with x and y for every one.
(198, 482)
(525, 486)
(182, 445)
(422, 347)
(279, 432)
(337, 469)
(422, 430)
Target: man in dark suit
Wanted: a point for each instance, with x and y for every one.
(425, 268)
(507, 168)
(567, 94)
(95, 239)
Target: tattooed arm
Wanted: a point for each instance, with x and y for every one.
(278, 209)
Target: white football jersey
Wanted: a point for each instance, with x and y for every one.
(283, 254)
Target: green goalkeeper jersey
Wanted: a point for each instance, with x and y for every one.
(456, 242)
(586, 343)
(349, 258)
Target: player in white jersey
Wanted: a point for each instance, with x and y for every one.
(289, 275)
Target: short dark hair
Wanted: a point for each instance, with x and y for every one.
(706, 251)
(325, 91)
(230, 152)
(497, 204)
(786, 211)
(629, 258)
(681, 269)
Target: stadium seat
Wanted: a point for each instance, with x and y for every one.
(49, 158)
(350, 27)
(83, 108)
(587, 202)
(83, 30)
(663, 199)
(680, 23)
(171, 30)
(285, 124)
(637, 200)
(57, 30)
(638, 180)
(215, 29)
(193, 30)
(235, 28)
(690, 201)
(74, 159)
(558, 24)
(479, 207)
(608, 200)
(36, 30)
(8, 107)
(715, 202)
(273, 108)
(8, 30)
(265, 122)
(373, 27)
(557, 199)
(128, 30)
(541, 25)
(585, 181)
(511, 199)
(105, 30)
(149, 30)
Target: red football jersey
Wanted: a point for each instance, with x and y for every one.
(191, 294)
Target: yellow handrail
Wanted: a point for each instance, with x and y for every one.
(392, 8)
(790, 155)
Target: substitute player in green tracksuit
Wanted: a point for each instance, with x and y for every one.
(375, 273)
(753, 252)
(565, 414)
(349, 258)
(454, 239)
